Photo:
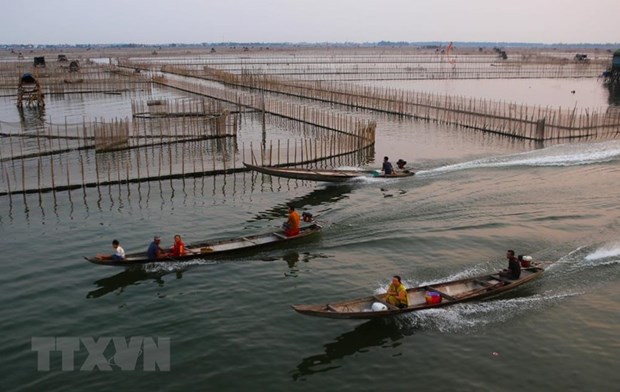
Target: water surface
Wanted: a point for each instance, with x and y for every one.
(230, 322)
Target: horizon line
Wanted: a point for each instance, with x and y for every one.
(315, 43)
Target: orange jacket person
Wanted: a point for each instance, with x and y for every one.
(291, 227)
(178, 249)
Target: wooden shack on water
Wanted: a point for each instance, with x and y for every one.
(29, 90)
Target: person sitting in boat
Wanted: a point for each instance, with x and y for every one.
(387, 168)
(178, 249)
(118, 255)
(401, 164)
(155, 251)
(291, 226)
(514, 268)
(397, 293)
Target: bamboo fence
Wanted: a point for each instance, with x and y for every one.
(71, 156)
(355, 133)
(165, 139)
(177, 139)
(517, 120)
(165, 147)
(388, 67)
(90, 78)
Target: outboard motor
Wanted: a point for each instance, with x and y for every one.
(526, 261)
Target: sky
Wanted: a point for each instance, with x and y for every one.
(295, 21)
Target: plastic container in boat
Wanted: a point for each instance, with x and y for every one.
(432, 297)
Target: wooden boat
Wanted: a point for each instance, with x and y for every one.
(325, 175)
(215, 248)
(446, 293)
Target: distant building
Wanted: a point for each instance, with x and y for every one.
(582, 57)
(74, 66)
(39, 62)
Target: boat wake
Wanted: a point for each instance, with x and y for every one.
(175, 266)
(561, 155)
(468, 273)
(473, 315)
(567, 274)
(585, 257)
(352, 168)
(606, 255)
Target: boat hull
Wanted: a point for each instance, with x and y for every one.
(452, 292)
(215, 248)
(324, 175)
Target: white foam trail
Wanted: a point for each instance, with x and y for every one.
(174, 266)
(605, 252)
(572, 253)
(364, 179)
(607, 262)
(473, 271)
(352, 168)
(567, 259)
(471, 315)
(562, 155)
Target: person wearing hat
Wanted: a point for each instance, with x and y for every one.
(401, 164)
(155, 251)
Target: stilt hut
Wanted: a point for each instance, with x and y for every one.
(74, 66)
(29, 90)
(39, 62)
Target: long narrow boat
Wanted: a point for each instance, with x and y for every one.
(324, 174)
(215, 248)
(423, 297)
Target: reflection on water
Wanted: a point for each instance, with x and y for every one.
(195, 192)
(321, 196)
(156, 271)
(475, 193)
(31, 118)
(142, 196)
(126, 278)
(614, 97)
(292, 259)
(374, 333)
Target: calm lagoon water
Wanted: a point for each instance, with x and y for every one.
(229, 320)
(584, 93)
